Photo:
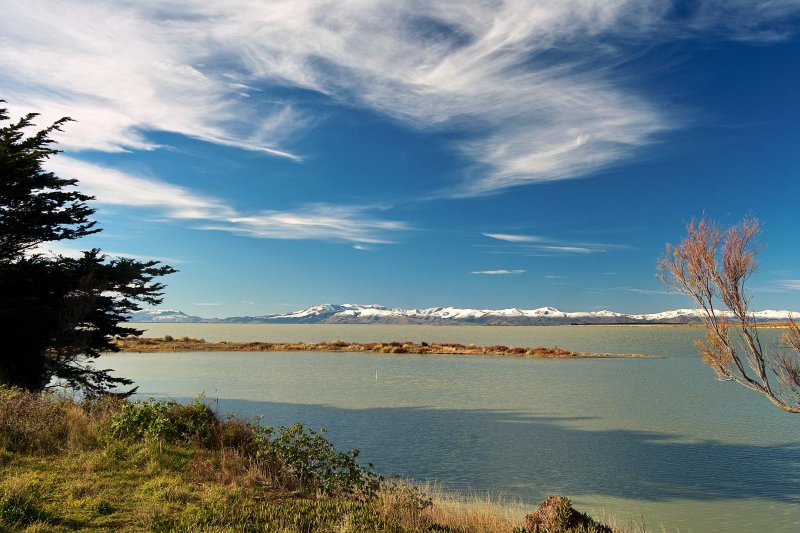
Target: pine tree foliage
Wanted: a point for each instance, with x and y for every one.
(34, 206)
(58, 313)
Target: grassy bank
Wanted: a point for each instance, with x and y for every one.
(112, 464)
(186, 344)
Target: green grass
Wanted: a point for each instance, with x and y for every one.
(114, 465)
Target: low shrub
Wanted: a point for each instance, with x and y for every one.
(166, 421)
(310, 462)
(295, 457)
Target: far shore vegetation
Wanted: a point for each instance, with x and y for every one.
(186, 344)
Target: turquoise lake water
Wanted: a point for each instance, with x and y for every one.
(658, 440)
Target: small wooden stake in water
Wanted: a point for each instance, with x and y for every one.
(376, 375)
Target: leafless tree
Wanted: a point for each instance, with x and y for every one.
(712, 267)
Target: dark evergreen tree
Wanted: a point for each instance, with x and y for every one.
(57, 313)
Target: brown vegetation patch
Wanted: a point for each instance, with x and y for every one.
(556, 514)
(169, 344)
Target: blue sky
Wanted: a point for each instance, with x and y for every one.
(474, 154)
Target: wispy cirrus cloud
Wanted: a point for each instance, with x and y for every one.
(316, 221)
(635, 290)
(651, 292)
(354, 224)
(537, 246)
(527, 79)
(571, 249)
(743, 20)
(114, 187)
(779, 287)
(501, 272)
(123, 69)
(513, 238)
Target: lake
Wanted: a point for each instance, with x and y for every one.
(658, 440)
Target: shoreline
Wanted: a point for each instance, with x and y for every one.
(188, 345)
(760, 325)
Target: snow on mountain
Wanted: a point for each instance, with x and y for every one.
(769, 314)
(671, 315)
(368, 314)
(315, 310)
(319, 312)
(165, 315)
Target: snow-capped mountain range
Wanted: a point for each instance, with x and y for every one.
(377, 314)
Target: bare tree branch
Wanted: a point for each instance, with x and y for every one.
(713, 267)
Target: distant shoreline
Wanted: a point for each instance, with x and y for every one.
(186, 344)
(761, 325)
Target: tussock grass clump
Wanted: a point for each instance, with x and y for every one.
(20, 503)
(49, 423)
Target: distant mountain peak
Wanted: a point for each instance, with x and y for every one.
(377, 314)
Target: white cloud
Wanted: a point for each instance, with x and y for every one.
(647, 291)
(571, 249)
(531, 80)
(207, 304)
(315, 221)
(791, 284)
(522, 245)
(513, 238)
(120, 70)
(501, 272)
(114, 187)
(61, 248)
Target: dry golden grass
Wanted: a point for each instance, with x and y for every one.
(468, 512)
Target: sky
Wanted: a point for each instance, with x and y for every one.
(481, 154)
